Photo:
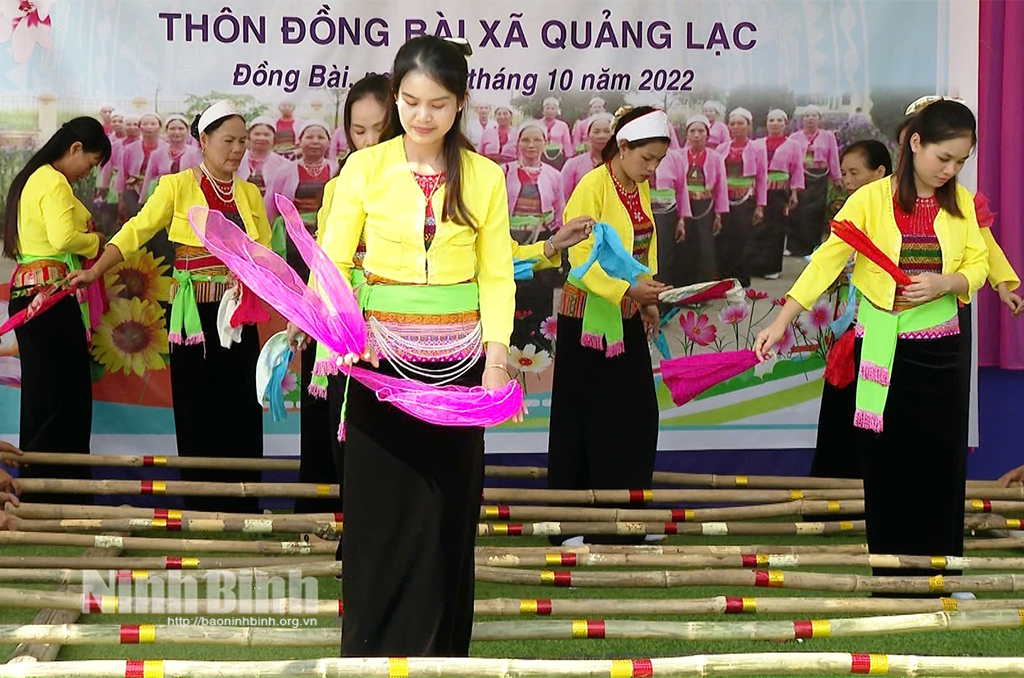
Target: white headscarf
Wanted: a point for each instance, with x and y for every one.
(314, 122)
(698, 118)
(217, 111)
(742, 113)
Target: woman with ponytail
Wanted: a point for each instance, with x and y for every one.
(213, 354)
(48, 231)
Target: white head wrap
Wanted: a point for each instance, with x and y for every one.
(778, 112)
(262, 120)
(810, 109)
(597, 100)
(313, 122)
(698, 118)
(531, 124)
(132, 116)
(553, 100)
(159, 120)
(217, 111)
(717, 105)
(653, 125)
(176, 116)
(742, 113)
(116, 114)
(597, 117)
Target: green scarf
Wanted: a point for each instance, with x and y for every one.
(602, 322)
(881, 331)
(186, 327)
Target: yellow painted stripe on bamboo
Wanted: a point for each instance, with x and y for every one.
(159, 461)
(977, 505)
(648, 495)
(499, 528)
(749, 604)
(147, 633)
(153, 668)
(1020, 613)
(763, 560)
(174, 515)
(950, 605)
(528, 606)
(938, 562)
(936, 583)
(579, 628)
(140, 574)
(621, 668)
(398, 667)
(689, 516)
(833, 507)
(796, 494)
(821, 628)
(845, 526)
(553, 558)
(1013, 523)
(160, 487)
(879, 664)
(190, 563)
(323, 490)
(159, 523)
(547, 576)
(776, 578)
(108, 604)
(490, 512)
(742, 481)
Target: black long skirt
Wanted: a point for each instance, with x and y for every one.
(604, 415)
(56, 393)
(807, 221)
(768, 238)
(412, 504)
(966, 363)
(694, 257)
(316, 454)
(837, 448)
(732, 243)
(915, 470)
(215, 409)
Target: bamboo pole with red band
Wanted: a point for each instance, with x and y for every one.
(173, 545)
(804, 581)
(262, 525)
(65, 576)
(153, 562)
(755, 663)
(639, 528)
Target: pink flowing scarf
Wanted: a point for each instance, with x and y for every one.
(688, 376)
(336, 321)
(50, 298)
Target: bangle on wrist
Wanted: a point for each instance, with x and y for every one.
(499, 367)
(551, 241)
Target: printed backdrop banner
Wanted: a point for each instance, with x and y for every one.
(859, 62)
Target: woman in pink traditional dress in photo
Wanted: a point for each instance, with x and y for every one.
(785, 181)
(499, 142)
(579, 129)
(670, 204)
(718, 131)
(104, 200)
(559, 143)
(107, 118)
(807, 223)
(286, 130)
(339, 145)
(535, 203)
(746, 169)
(597, 132)
(135, 162)
(174, 156)
(260, 163)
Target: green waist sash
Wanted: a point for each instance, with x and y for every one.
(420, 299)
(279, 234)
(696, 188)
(602, 323)
(663, 195)
(778, 175)
(528, 222)
(740, 182)
(878, 351)
(186, 328)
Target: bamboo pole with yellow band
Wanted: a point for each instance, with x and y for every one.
(264, 525)
(709, 529)
(804, 581)
(65, 576)
(170, 545)
(154, 563)
(758, 663)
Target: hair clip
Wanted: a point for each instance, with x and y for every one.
(923, 102)
(463, 45)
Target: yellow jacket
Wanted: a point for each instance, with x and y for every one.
(1000, 270)
(51, 220)
(595, 196)
(168, 209)
(519, 252)
(377, 198)
(871, 210)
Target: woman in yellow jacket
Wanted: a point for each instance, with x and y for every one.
(911, 406)
(48, 231)
(604, 410)
(215, 413)
(439, 300)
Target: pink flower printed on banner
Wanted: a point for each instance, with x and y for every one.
(755, 295)
(699, 330)
(787, 342)
(25, 23)
(549, 328)
(820, 315)
(289, 383)
(734, 314)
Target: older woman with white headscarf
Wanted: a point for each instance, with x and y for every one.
(807, 224)
(718, 131)
(173, 157)
(746, 169)
(559, 139)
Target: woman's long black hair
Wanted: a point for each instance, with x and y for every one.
(612, 147)
(377, 87)
(85, 130)
(940, 121)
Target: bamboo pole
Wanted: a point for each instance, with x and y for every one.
(715, 529)
(760, 663)
(803, 581)
(553, 629)
(34, 511)
(849, 605)
(263, 525)
(172, 545)
(153, 563)
(139, 461)
(68, 576)
(758, 561)
(747, 496)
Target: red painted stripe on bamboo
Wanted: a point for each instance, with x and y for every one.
(147, 461)
(860, 663)
(134, 668)
(595, 629)
(803, 629)
(147, 487)
(749, 560)
(91, 604)
(544, 607)
(129, 634)
(339, 517)
(341, 607)
(642, 668)
(733, 605)
(671, 528)
(173, 563)
(174, 525)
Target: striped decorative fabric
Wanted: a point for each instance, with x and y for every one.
(920, 251)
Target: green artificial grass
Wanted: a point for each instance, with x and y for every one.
(972, 643)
